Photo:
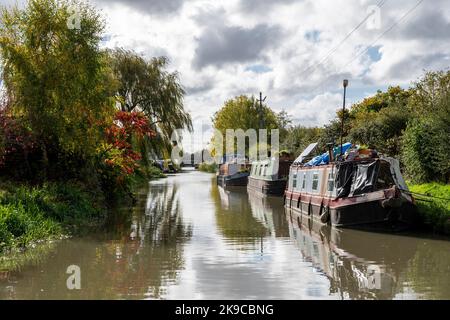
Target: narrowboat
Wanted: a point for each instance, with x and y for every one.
(269, 177)
(361, 189)
(233, 173)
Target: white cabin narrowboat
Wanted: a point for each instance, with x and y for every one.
(356, 193)
(270, 176)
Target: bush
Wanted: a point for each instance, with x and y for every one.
(211, 168)
(29, 214)
(426, 152)
(20, 226)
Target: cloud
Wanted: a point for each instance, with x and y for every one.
(228, 48)
(233, 44)
(263, 5)
(152, 7)
(318, 111)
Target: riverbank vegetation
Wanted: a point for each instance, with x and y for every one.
(209, 168)
(434, 205)
(79, 124)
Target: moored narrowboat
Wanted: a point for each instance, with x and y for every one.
(233, 173)
(361, 190)
(269, 177)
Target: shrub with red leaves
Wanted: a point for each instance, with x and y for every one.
(16, 141)
(127, 125)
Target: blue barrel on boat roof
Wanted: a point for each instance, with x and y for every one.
(325, 158)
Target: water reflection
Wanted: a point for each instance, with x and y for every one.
(188, 239)
(234, 216)
(267, 211)
(364, 265)
(139, 260)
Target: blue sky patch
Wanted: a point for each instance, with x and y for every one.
(258, 68)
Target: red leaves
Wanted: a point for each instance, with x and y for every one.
(14, 137)
(126, 126)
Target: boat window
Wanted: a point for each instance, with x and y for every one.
(294, 181)
(330, 182)
(315, 182)
(260, 170)
(304, 181)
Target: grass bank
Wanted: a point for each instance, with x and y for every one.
(210, 168)
(54, 210)
(30, 214)
(435, 209)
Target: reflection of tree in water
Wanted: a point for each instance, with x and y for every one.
(139, 263)
(152, 256)
(234, 216)
(359, 265)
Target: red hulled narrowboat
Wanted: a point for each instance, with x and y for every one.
(360, 190)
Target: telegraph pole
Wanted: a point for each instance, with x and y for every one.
(261, 111)
(345, 83)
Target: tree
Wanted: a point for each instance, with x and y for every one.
(56, 77)
(145, 85)
(426, 151)
(244, 113)
(299, 137)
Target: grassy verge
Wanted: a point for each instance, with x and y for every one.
(211, 168)
(32, 214)
(435, 213)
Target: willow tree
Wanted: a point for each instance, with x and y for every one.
(55, 74)
(147, 86)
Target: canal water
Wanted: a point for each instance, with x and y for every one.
(188, 239)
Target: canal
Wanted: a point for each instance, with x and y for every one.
(188, 239)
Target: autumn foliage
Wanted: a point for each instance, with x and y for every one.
(118, 151)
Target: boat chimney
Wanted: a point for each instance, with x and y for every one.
(330, 151)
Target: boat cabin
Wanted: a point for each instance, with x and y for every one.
(361, 188)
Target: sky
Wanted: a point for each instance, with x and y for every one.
(297, 52)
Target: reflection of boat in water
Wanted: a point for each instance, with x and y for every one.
(360, 265)
(231, 198)
(270, 212)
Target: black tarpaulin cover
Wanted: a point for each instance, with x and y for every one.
(344, 178)
(365, 178)
(354, 179)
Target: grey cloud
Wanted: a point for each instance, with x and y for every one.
(402, 70)
(150, 6)
(427, 26)
(219, 45)
(262, 5)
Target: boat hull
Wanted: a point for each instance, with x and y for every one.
(274, 188)
(239, 180)
(371, 211)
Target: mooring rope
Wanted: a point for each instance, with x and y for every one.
(424, 195)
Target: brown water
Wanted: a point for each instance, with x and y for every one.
(188, 239)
